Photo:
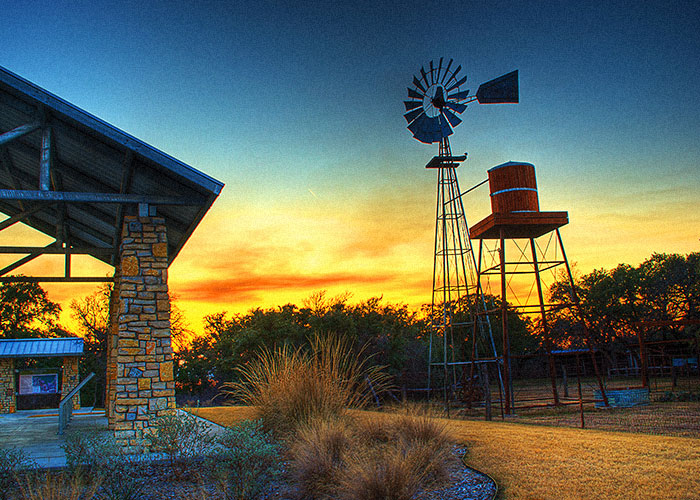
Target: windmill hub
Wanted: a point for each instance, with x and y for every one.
(436, 99)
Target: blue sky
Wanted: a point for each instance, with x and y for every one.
(297, 107)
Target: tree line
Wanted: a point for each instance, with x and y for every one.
(613, 304)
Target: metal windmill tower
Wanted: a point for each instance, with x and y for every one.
(435, 99)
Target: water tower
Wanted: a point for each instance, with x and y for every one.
(516, 220)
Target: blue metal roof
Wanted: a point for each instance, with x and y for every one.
(34, 348)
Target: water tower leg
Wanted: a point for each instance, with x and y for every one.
(504, 326)
(545, 326)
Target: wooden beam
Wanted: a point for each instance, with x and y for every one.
(21, 262)
(45, 162)
(54, 250)
(18, 132)
(19, 217)
(83, 197)
(55, 279)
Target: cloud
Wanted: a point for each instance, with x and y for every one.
(252, 286)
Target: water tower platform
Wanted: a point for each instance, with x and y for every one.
(514, 225)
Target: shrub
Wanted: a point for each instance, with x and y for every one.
(318, 456)
(99, 454)
(291, 387)
(247, 461)
(88, 448)
(181, 437)
(12, 462)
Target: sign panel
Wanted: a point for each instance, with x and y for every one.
(46, 383)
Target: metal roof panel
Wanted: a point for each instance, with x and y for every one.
(26, 348)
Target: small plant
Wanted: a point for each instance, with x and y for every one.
(12, 462)
(247, 461)
(181, 437)
(88, 448)
(97, 453)
(56, 487)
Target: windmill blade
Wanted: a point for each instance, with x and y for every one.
(447, 70)
(457, 83)
(414, 94)
(421, 129)
(425, 78)
(500, 90)
(418, 85)
(431, 73)
(455, 106)
(412, 115)
(412, 104)
(451, 117)
(437, 76)
(454, 75)
(445, 128)
(458, 96)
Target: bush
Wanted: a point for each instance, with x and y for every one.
(88, 448)
(318, 456)
(247, 461)
(12, 462)
(290, 388)
(108, 465)
(181, 437)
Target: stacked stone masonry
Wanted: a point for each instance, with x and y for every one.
(7, 386)
(70, 379)
(141, 368)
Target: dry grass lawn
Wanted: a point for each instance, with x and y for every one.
(536, 462)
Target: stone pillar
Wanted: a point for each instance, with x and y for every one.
(70, 379)
(144, 387)
(7, 385)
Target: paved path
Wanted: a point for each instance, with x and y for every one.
(36, 432)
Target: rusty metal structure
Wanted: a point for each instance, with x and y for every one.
(436, 97)
(516, 220)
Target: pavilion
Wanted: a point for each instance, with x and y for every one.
(96, 190)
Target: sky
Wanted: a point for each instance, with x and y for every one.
(297, 108)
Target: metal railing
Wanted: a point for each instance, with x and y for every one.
(65, 407)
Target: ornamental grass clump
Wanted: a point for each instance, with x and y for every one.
(318, 456)
(291, 387)
(380, 457)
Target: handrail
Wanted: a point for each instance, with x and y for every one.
(65, 407)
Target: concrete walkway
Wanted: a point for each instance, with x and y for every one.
(36, 433)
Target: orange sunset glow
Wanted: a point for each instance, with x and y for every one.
(298, 111)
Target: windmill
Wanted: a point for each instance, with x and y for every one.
(436, 99)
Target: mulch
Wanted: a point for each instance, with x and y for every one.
(463, 483)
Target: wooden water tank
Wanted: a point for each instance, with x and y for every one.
(513, 188)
